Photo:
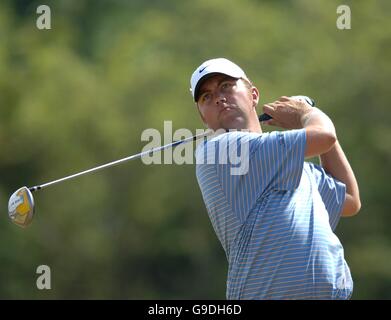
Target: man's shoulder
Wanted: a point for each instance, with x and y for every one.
(230, 137)
(225, 139)
(235, 134)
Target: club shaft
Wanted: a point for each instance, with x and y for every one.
(114, 163)
(263, 117)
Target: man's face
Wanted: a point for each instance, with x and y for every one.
(227, 103)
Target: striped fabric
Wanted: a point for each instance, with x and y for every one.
(275, 221)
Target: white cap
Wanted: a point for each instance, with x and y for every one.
(209, 67)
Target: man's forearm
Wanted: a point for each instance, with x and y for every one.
(320, 132)
(318, 118)
(337, 165)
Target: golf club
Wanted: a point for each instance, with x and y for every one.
(21, 203)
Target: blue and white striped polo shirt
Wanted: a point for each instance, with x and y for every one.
(276, 221)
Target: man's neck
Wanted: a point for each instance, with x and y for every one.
(256, 127)
(253, 124)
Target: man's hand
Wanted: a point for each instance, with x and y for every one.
(287, 113)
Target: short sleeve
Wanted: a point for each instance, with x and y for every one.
(283, 158)
(332, 192)
(268, 161)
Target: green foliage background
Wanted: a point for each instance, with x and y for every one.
(81, 94)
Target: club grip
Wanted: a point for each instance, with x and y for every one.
(264, 117)
(310, 101)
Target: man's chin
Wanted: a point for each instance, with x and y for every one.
(234, 124)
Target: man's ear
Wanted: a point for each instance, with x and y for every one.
(255, 96)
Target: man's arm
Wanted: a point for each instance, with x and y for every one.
(337, 165)
(292, 114)
(332, 159)
(321, 140)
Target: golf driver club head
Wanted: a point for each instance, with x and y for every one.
(311, 102)
(21, 207)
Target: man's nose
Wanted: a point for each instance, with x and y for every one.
(220, 98)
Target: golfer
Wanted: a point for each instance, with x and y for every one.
(275, 220)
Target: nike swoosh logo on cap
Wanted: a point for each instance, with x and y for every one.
(202, 69)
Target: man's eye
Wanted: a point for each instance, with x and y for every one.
(226, 85)
(205, 97)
